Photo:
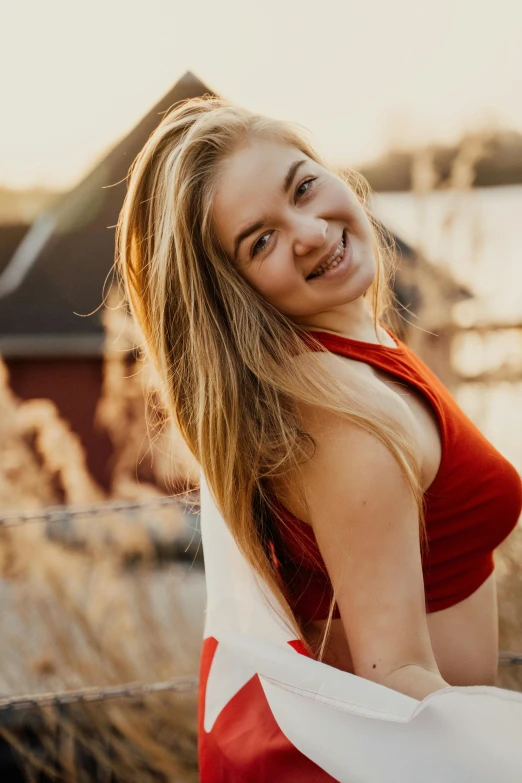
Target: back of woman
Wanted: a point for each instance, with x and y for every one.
(261, 284)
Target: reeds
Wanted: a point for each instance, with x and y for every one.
(74, 625)
(149, 453)
(88, 603)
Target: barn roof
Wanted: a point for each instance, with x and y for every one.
(11, 234)
(56, 276)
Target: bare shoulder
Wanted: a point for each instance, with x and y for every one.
(349, 370)
(366, 523)
(335, 437)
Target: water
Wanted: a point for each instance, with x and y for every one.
(477, 235)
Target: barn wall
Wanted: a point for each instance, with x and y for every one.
(74, 386)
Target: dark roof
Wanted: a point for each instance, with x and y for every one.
(59, 269)
(11, 234)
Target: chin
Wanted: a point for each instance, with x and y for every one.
(368, 274)
(362, 282)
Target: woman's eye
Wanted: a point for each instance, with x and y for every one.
(309, 182)
(301, 191)
(258, 246)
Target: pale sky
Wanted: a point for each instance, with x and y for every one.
(77, 76)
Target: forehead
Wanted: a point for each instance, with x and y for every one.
(249, 183)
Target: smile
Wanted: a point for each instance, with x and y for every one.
(337, 258)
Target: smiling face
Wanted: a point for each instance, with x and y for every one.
(295, 232)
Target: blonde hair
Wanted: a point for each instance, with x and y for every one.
(227, 359)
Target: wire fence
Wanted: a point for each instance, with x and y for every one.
(186, 684)
(65, 513)
(182, 684)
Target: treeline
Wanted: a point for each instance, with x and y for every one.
(501, 164)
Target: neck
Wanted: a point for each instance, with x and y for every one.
(353, 320)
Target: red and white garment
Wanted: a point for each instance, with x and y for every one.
(269, 713)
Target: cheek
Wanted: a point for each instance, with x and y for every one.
(278, 279)
(272, 279)
(359, 224)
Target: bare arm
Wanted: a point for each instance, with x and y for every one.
(365, 520)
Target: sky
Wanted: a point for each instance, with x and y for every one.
(362, 76)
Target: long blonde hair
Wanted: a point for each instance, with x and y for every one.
(229, 362)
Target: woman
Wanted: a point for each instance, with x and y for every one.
(349, 478)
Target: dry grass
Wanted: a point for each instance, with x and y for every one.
(148, 451)
(25, 482)
(72, 625)
(508, 559)
(76, 614)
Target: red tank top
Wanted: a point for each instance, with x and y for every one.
(471, 506)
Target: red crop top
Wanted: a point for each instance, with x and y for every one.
(471, 506)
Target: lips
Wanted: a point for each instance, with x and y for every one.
(335, 252)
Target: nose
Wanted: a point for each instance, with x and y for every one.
(310, 234)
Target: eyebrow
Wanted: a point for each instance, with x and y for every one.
(287, 184)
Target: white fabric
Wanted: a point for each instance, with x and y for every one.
(356, 730)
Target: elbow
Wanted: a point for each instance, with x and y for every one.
(414, 680)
